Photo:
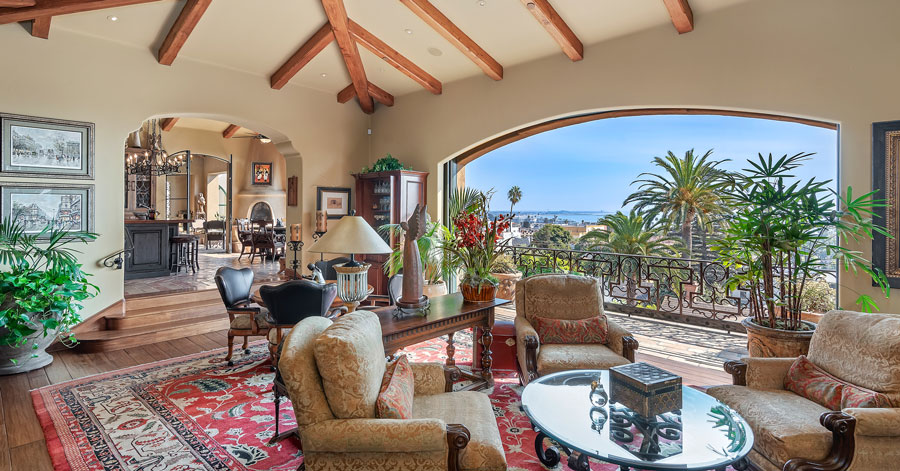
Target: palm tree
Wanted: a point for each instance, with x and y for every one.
(630, 234)
(515, 195)
(688, 191)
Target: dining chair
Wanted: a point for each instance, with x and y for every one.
(245, 320)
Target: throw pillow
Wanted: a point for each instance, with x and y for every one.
(815, 384)
(395, 400)
(589, 330)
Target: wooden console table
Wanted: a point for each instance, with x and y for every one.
(446, 315)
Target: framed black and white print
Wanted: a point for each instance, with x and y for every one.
(66, 207)
(41, 147)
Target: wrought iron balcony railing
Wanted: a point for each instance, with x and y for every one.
(683, 290)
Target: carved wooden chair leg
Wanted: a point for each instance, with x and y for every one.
(246, 345)
(451, 350)
(230, 350)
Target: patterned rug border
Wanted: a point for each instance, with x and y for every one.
(55, 447)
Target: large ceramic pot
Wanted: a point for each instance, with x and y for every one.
(433, 290)
(507, 286)
(766, 342)
(25, 354)
(478, 293)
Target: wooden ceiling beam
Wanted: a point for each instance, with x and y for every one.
(379, 95)
(307, 51)
(558, 29)
(60, 7)
(40, 27)
(229, 132)
(168, 123)
(190, 15)
(394, 58)
(682, 16)
(340, 26)
(446, 28)
(17, 3)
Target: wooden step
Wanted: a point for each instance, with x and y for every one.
(175, 299)
(166, 315)
(108, 340)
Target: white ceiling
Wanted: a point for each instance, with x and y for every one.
(203, 124)
(257, 37)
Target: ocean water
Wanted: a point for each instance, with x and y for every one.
(574, 217)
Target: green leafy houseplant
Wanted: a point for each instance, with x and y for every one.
(385, 164)
(782, 233)
(433, 261)
(42, 287)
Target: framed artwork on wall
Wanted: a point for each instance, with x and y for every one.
(42, 147)
(886, 184)
(68, 207)
(262, 173)
(334, 201)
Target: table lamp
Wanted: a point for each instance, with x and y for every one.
(352, 236)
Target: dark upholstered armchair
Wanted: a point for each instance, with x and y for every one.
(293, 301)
(246, 320)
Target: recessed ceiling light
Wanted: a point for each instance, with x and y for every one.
(323, 75)
(408, 31)
(112, 18)
(530, 5)
(482, 3)
(435, 51)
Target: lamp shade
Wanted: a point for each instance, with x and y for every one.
(352, 236)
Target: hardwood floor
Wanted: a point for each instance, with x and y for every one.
(22, 445)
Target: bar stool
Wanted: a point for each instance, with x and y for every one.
(185, 251)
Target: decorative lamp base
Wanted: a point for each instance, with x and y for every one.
(352, 284)
(422, 302)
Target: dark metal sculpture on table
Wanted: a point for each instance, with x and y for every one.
(413, 279)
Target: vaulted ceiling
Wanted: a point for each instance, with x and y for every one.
(373, 49)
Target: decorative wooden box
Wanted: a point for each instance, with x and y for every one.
(645, 389)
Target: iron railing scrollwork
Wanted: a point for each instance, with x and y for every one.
(675, 287)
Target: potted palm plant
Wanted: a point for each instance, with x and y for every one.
(474, 246)
(433, 263)
(42, 288)
(781, 238)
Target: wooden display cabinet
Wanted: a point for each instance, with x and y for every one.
(387, 198)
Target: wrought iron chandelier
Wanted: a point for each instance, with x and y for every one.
(154, 160)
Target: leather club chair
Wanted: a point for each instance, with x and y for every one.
(245, 320)
(292, 301)
(327, 267)
(793, 433)
(567, 297)
(333, 374)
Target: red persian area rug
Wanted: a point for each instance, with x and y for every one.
(197, 413)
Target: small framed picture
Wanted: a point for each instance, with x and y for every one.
(40, 147)
(262, 173)
(67, 207)
(333, 200)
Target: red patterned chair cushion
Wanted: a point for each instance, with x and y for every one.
(395, 400)
(589, 330)
(815, 384)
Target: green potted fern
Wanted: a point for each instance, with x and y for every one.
(42, 286)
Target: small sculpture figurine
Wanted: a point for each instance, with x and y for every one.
(413, 279)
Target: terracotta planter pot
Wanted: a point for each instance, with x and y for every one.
(765, 342)
(479, 293)
(507, 286)
(433, 290)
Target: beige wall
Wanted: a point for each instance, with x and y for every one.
(118, 87)
(832, 60)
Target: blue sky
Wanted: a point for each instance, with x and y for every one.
(590, 166)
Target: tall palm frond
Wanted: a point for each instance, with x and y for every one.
(689, 190)
(630, 234)
(514, 195)
(463, 199)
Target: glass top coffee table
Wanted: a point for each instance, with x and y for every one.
(704, 434)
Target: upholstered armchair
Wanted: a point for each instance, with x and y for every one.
(244, 319)
(793, 433)
(566, 297)
(333, 373)
(292, 301)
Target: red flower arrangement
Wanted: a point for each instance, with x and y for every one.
(476, 243)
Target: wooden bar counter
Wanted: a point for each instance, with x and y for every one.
(150, 241)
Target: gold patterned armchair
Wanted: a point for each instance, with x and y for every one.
(566, 297)
(333, 374)
(793, 433)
